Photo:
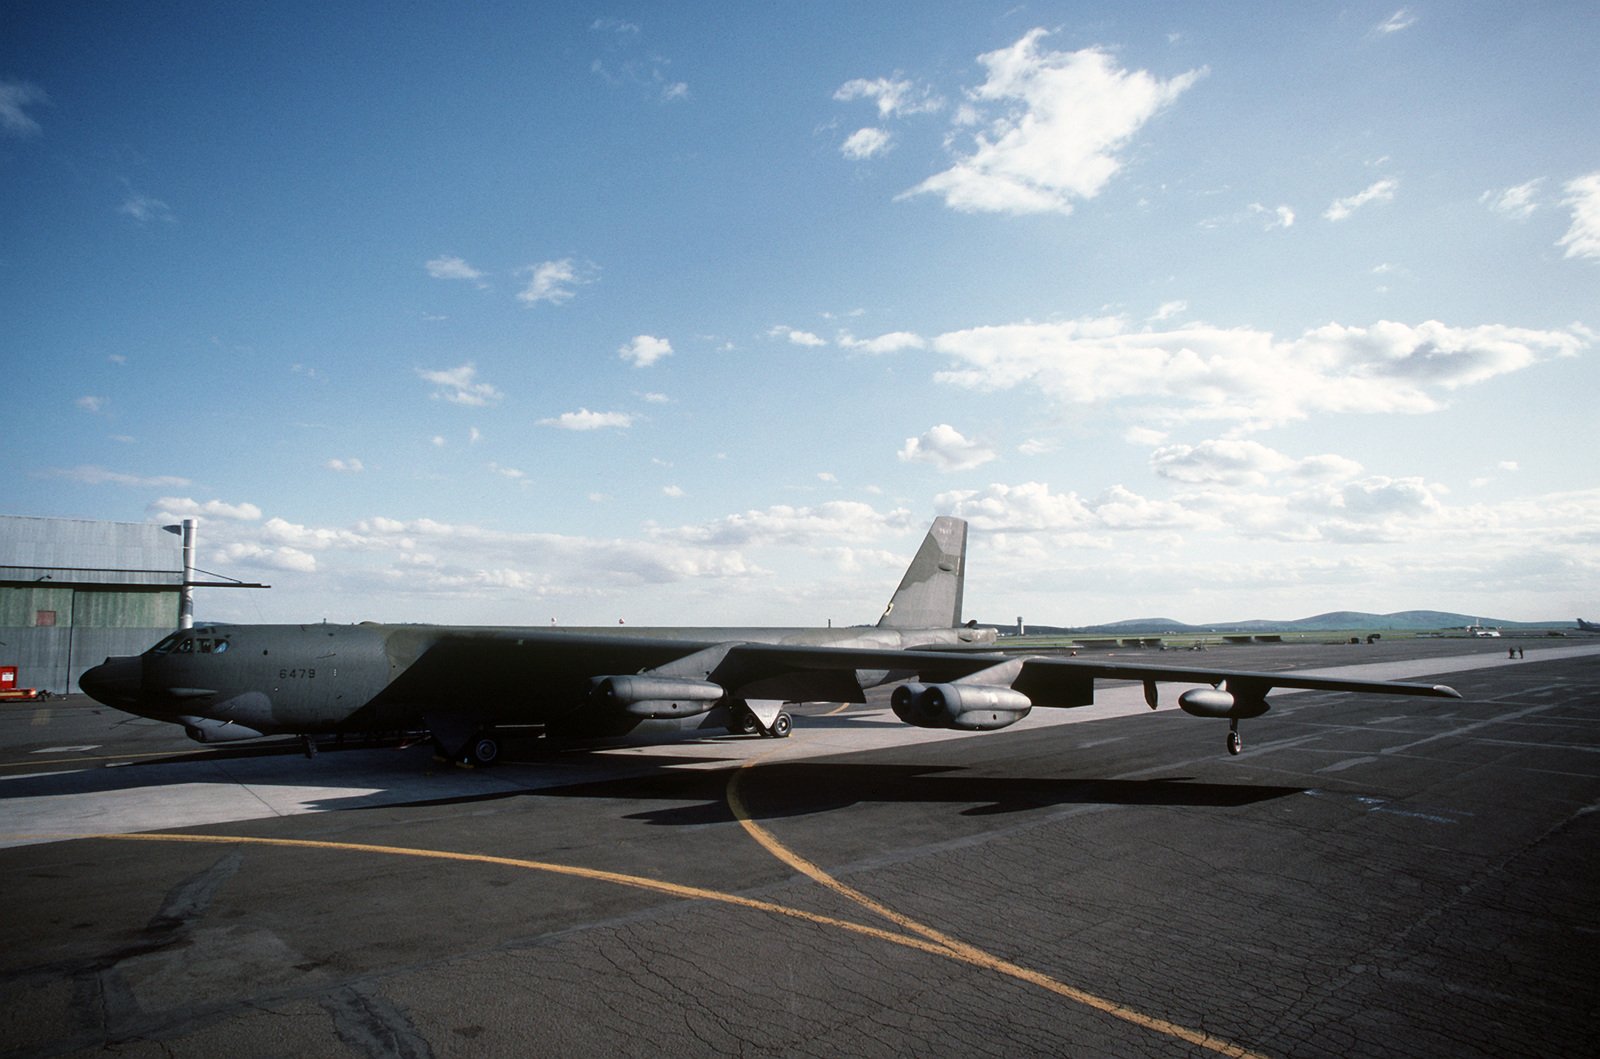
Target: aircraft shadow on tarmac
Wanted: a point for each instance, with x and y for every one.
(393, 779)
(805, 788)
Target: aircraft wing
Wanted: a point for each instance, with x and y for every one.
(538, 676)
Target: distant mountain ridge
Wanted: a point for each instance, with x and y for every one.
(1339, 620)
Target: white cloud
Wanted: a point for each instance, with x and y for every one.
(91, 404)
(893, 97)
(15, 97)
(1063, 119)
(1517, 203)
(893, 342)
(673, 492)
(1381, 191)
(339, 466)
(88, 474)
(1583, 196)
(865, 143)
(799, 338)
(143, 208)
(1276, 217)
(583, 419)
(1401, 19)
(460, 385)
(552, 281)
(946, 448)
(449, 267)
(645, 350)
(172, 508)
(1250, 377)
(1243, 462)
(1170, 309)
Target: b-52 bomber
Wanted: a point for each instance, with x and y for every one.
(464, 685)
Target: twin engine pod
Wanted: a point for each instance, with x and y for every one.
(652, 696)
(1213, 702)
(965, 707)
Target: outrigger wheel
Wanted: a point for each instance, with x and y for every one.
(1235, 744)
(482, 749)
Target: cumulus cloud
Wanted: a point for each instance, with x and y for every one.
(946, 448)
(892, 96)
(460, 385)
(893, 342)
(645, 350)
(172, 508)
(1246, 376)
(1275, 217)
(865, 143)
(450, 267)
(1242, 462)
(583, 419)
(15, 98)
(1063, 119)
(1381, 191)
(799, 338)
(1583, 198)
(553, 282)
(1517, 202)
(345, 466)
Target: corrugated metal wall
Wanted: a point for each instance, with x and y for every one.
(123, 597)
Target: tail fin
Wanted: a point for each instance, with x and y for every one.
(929, 596)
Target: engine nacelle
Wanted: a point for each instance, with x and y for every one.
(964, 707)
(211, 730)
(1212, 702)
(651, 696)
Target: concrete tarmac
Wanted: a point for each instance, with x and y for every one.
(1372, 876)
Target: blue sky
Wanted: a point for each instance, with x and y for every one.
(695, 314)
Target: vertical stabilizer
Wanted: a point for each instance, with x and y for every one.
(929, 596)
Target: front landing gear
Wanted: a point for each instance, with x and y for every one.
(1235, 744)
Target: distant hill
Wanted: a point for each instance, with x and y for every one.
(1339, 620)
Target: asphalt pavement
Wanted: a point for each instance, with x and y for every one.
(1372, 876)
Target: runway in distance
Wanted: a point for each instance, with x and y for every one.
(463, 684)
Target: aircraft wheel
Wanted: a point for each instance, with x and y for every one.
(782, 725)
(742, 721)
(483, 750)
(1235, 744)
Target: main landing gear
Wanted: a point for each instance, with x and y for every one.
(742, 721)
(482, 750)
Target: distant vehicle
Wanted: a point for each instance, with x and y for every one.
(228, 682)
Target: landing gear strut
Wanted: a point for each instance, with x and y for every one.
(309, 745)
(1235, 744)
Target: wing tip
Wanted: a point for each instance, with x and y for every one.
(1446, 691)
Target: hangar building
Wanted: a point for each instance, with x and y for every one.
(74, 591)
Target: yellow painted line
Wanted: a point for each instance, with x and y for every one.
(843, 706)
(955, 949)
(691, 893)
(41, 717)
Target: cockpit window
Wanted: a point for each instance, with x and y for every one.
(184, 642)
(168, 644)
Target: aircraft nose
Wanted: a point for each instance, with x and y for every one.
(116, 681)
